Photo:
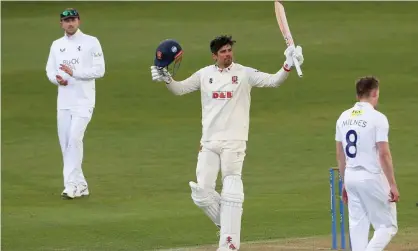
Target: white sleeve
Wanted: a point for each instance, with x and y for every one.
(382, 130)
(262, 79)
(97, 69)
(188, 85)
(51, 71)
(338, 133)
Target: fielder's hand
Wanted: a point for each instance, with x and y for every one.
(61, 81)
(344, 195)
(66, 69)
(394, 194)
(291, 52)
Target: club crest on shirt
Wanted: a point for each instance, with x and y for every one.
(234, 79)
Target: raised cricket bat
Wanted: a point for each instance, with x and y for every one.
(284, 27)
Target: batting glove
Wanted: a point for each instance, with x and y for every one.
(160, 75)
(291, 52)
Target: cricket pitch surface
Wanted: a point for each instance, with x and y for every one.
(406, 240)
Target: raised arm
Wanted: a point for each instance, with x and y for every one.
(188, 85)
(97, 69)
(262, 79)
(51, 71)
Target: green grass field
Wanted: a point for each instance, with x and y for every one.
(141, 145)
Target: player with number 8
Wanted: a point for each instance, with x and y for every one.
(351, 143)
(365, 164)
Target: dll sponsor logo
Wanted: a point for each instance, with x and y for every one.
(222, 95)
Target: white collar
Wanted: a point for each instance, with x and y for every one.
(225, 69)
(364, 104)
(76, 35)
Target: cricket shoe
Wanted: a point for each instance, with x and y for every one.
(229, 245)
(69, 193)
(82, 190)
(224, 249)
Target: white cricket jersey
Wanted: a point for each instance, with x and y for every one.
(225, 98)
(359, 129)
(83, 54)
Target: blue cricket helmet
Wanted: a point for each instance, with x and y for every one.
(168, 51)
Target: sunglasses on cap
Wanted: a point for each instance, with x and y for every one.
(69, 13)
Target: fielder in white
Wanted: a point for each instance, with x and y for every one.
(74, 62)
(225, 99)
(365, 164)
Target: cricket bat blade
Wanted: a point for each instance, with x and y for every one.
(284, 28)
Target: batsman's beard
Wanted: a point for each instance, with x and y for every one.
(227, 62)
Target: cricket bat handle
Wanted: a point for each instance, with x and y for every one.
(297, 66)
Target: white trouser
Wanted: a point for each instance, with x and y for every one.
(368, 203)
(227, 156)
(224, 210)
(72, 124)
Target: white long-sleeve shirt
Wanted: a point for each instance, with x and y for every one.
(226, 98)
(359, 129)
(83, 54)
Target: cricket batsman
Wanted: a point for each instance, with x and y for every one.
(75, 61)
(225, 89)
(365, 164)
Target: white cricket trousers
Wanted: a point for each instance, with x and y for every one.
(72, 124)
(224, 209)
(214, 156)
(368, 203)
